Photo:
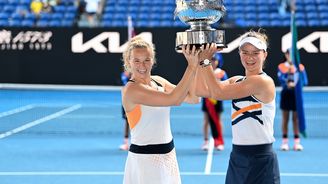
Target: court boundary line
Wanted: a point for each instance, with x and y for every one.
(39, 121)
(59, 87)
(106, 87)
(113, 173)
(209, 157)
(16, 110)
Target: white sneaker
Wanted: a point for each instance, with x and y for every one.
(220, 147)
(284, 146)
(205, 146)
(297, 145)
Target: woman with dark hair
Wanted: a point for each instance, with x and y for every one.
(252, 159)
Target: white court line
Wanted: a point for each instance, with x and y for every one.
(209, 158)
(95, 116)
(305, 174)
(107, 173)
(111, 88)
(17, 110)
(39, 121)
(59, 87)
(61, 173)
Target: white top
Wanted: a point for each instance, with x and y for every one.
(153, 126)
(150, 125)
(252, 121)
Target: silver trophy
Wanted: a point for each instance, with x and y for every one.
(199, 14)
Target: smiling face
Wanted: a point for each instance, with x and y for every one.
(141, 62)
(252, 58)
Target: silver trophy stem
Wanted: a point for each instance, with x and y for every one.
(199, 38)
(200, 26)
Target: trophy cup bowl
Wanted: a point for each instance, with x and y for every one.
(199, 14)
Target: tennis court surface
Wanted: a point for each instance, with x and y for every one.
(72, 136)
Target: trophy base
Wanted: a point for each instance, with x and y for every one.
(199, 38)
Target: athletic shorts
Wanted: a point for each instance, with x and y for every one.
(287, 100)
(218, 106)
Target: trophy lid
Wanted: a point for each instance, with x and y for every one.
(207, 11)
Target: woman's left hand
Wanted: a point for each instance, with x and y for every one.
(191, 54)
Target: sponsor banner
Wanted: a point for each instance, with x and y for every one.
(94, 56)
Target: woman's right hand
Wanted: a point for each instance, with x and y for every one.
(192, 55)
(208, 51)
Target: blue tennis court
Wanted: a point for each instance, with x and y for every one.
(72, 136)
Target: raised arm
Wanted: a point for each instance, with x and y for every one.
(226, 90)
(191, 96)
(202, 88)
(261, 86)
(138, 93)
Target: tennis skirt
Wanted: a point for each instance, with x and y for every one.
(152, 164)
(152, 169)
(256, 164)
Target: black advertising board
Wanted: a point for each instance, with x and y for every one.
(93, 56)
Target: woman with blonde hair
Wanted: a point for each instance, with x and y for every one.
(147, 99)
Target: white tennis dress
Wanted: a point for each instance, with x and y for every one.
(151, 125)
